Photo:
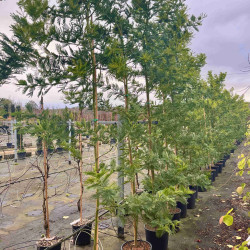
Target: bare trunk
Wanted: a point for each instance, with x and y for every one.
(80, 171)
(96, 147)
(46, 203)
(132, 184)
(41, 103)
(149, 122)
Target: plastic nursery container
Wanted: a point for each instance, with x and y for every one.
(194, 188)
(84, 237)
(183, 208)
(129, 244)
(191, 201)
(219, 165)
(58, 247)
(45, 243)
(216, 168)
(213, 175)
(200, 189)
(157, 243)
(21, 155)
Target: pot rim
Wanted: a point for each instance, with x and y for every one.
(152, 230)
(137, 240)
(177, 212)
(76, 221)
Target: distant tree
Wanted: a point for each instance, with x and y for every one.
(12, 108)
(31, 106)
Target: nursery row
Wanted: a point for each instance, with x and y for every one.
(136, 51)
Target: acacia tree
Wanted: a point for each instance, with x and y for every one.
(47, 128)
(81, 38)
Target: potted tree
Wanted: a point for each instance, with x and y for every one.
(84, 237)
(132, 164)
(157, 218)
(47, 128)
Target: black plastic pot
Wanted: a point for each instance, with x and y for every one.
(39, 152)
(57, 247)
(50, 151)
(9, 145)
(1, 157)
(177, 214)
(216, 170)
(232, 151)
(212, 175)
(183, 208)
(59, 150)
(84, 237)
(191, 201)
(200, 189)
(21, 155)
(113, 141)
(223, 162)
(219, 165)
(139, 240)
(194, 188)
(157, 243)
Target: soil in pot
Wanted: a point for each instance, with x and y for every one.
(156, 242)
(183, 208)
(45, 243)
(139, 191)
(176, 213)
(142, 245)
(191, 201)
(84, 237)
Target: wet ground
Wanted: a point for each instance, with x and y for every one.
(21, 221)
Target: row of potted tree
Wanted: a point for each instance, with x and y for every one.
(175, 125)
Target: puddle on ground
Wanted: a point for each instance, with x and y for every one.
(34, 213)
(28, 195)
(55, 186)
(5, 224)
(73, 196)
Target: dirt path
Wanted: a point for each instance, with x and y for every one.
(201, 229)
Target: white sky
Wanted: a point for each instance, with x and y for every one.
(224, 37)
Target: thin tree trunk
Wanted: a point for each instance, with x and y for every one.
(130, 157)
(149, 121)
(41, 102)
(96, 147)
(80, 171)
(46, 215)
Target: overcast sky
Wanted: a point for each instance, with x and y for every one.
(224, 37)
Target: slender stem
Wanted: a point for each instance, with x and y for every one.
(149, 121)
(45, 165)
(96, 147)
(80, 171)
